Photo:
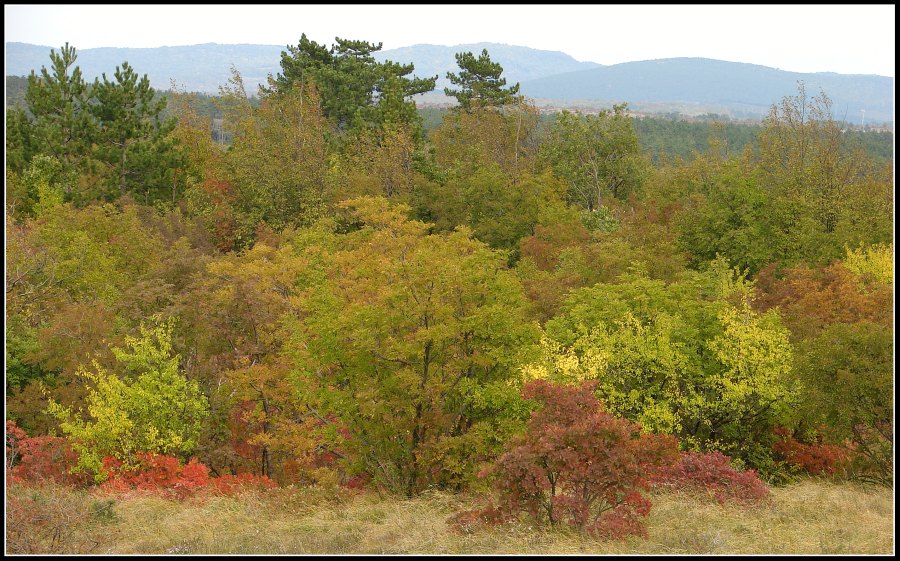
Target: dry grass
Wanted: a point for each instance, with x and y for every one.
(806, 518)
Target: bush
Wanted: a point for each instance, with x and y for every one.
(40, 458)
(576, 465)
(167, 477)
(712, 472)
(817, 458)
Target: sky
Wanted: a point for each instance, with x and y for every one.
(848, 39)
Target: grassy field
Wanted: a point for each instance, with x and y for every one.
(804, 518)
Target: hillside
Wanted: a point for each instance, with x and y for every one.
(744, 90)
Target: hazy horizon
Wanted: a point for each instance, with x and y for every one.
(605, 35)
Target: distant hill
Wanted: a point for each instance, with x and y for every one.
(519, 63)
(737, 88)
(198, 68)
(203, 68)
(690, 86)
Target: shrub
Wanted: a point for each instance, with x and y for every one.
(40, 458)
(712, 472)
(817, 458)
(167, 477)
(576, 465)
(152, 406)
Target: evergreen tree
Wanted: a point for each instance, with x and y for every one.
(357, 91)
(133, 138)
(480, 83)
(57, 122)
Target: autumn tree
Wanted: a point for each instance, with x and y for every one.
(378, 163)
(578, 465)
(688, 358)
(841, 321)
(411, 341)
(149, 406)
(470, 140)
(274, 172)
(81, 279)
(232, 320)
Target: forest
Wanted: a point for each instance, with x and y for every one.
(541, 319)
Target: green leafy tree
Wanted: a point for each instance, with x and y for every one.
(733, 216)
(689, 358)
(411, 339)
(149, 407)
(38, 189)
(479, 83)
(847, 373)
(500, 212)
(804, 198)
(597, 155)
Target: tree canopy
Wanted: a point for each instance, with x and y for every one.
(479, 83)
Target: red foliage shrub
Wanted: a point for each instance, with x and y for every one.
(817, 458)
(576, 465)
(50, 458)
(40, 458)
(712, 472)
(166, 476)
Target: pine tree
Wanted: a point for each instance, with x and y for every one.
(57, 122)
(480, 83)
(133, 138)
(357, 91)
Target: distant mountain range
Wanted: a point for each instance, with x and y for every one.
(684, 85)
(742, 88)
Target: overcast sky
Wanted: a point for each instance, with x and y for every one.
(849, 39)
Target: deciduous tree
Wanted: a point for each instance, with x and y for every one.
(411, 341)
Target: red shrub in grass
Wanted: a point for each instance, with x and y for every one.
(576, 465)
(166, 476)
(712, 472)
(40, 458)
(817, 459)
